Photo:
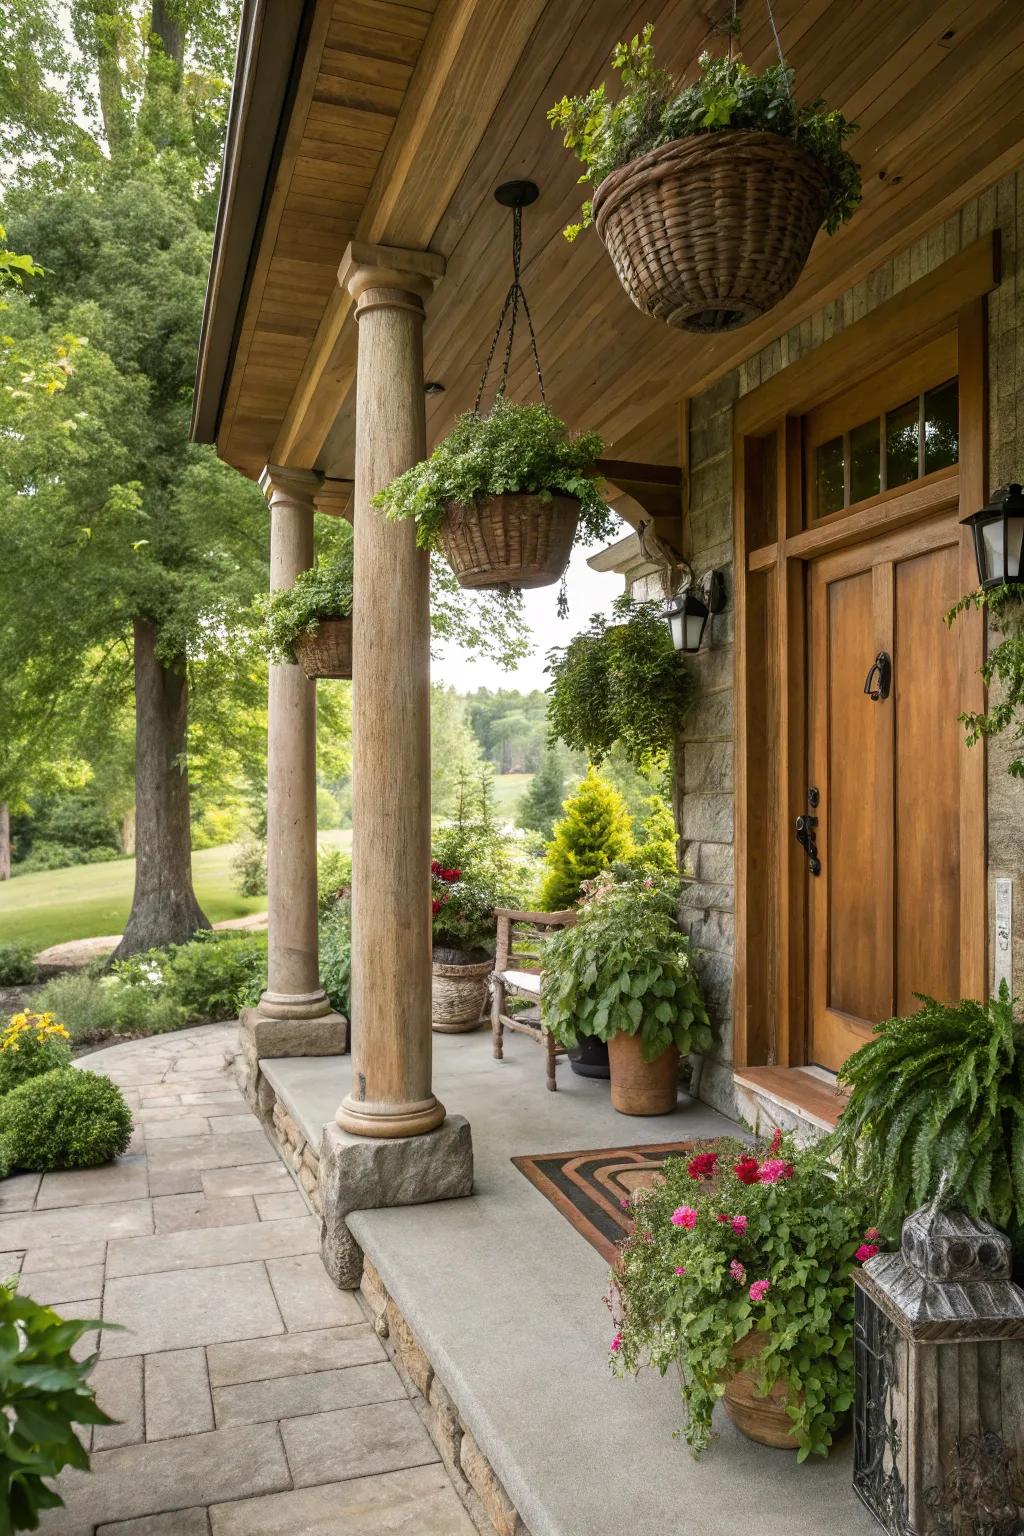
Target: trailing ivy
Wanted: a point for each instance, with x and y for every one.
(1004, 665)
(937, 1108)
(605, 134)
(622, 682)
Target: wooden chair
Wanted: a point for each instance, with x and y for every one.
(517, 966)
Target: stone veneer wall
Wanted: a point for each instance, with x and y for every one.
(704, 766)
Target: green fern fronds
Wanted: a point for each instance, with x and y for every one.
(937, 1100)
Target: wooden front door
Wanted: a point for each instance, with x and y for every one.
(885, 906)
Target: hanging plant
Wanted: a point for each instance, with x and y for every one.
(1003, 665)
(620, 682)
(506, 495)
(310, 622)
(708, 200)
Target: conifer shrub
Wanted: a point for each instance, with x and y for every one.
(594, 834)
(64, 1119)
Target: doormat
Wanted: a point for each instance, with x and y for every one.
(588, 1187)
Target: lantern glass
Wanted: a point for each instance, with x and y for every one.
(998, 531)
(687, 616)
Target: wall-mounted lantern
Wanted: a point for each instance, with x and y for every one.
(688, 612)
(939, 1356)
(998, 531)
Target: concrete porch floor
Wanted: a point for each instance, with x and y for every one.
(505, 1297)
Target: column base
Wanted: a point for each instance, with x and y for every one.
(389, 1120)
(325, 1034)
(294, 1005)
(358, 1173)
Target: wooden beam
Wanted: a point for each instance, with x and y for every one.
(467, 60)
(658, 491)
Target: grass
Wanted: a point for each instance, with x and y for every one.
(87, 900)
(509, 789)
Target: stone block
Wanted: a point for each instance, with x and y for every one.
(180, 1522)
(261, 1178)
(480, 1475)
(290, 1397)
(323, 1036)
(189, 1308)
(716, 864)
(58, 1287)
(710, 929)
(416, 1502)
(305, 1295)
(118, 1385)
(211, 1245)
(708, 818)
(446, 1429)
(293, 1354)
(355, 1442)
(178, 1400)
(409, 1354)
(361, 1173)
(373, 1288)
(708, 766)
(283, 1207)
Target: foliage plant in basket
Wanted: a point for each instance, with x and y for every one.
(504, 496)
(738, 1273)
(624, 973)
(310, 622)
(707, 199)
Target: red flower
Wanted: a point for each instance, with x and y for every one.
(776, 1142)
(435, 868)
(435, 906)
(452, 875)
(866, 1251)
(871, 1235)
(702, 1166)
(746, 1170)
(721, 1217)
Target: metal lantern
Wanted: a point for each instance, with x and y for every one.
(998, 531)
(688, 612)
(939, 1351)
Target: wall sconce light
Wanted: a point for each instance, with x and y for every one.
(998, 531)
(688, 612)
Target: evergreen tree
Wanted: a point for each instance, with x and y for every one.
(539, 807)
(593, 834)
(656, 839)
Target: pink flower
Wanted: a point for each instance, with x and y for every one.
(684, 1216)
(702, 1166)
(774, 1169)
(739, 1225)
(866, 1251)
(871, 1235)
(737, 1271)
(759, 1290)
(623, 1205)
(680, 1269)
(616, 1344)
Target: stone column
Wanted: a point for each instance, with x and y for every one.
(294, 1016)
(391, 947)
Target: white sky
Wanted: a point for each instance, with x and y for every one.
(589, 592)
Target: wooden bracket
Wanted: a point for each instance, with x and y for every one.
(652, 503)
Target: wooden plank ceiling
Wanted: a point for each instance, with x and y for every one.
(930, 83)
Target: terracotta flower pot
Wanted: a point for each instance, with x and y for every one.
(642, 1087)
(458, 995)
(763, 1419)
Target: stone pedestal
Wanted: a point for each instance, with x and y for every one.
(361, 1173)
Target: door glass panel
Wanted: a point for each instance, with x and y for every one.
(865, 456)
(829, 469)
(901, 427)
(941, 426)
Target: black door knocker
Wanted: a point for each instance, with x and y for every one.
(879, 678)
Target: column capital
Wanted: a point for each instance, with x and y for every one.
(282, 485)
(387, 266)
(334, 498)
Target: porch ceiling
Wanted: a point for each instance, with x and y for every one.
(407, 115)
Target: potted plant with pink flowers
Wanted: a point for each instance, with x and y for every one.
(739, 1273)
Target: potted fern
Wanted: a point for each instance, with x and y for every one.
(707, 199)
(310, 622)
(504, 496)
(936, 1108)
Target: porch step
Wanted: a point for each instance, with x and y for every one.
(806, 1092)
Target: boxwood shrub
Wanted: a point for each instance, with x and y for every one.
(64, 1119)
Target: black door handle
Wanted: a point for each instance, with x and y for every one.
(879, 679)
(806, 827)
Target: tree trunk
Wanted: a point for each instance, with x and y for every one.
(5, 841)
(164, 906)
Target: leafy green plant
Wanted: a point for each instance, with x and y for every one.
(44, 1393)
(1003, 666)
(607, 134)
(48, 855)
(249, 868)
(739, 1240)
(594, 833)
(475, 868)
(333, 877)
(92, 1008)
(513, 448)
(323, 592)
(200, 979)
(620, 682)
(17, 965)
(656, 840)
(336, 953)
(30, 1044)
(625, 968)
(64, 1119)
(936, 1108)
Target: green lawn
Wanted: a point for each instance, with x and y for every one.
(90, 899)
(509, 789)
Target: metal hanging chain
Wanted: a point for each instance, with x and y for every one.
(510, 308)
(778, 45)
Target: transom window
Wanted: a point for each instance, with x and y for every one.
(884, 434)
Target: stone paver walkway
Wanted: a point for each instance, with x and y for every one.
(254, 1398)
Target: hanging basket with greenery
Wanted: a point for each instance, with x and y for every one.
(310, 622)
(506, 494)
(620, 682)
(708, 200)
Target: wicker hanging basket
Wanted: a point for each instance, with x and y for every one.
(709, 232)
(458, 995)
(514, 540)
(327, 650)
